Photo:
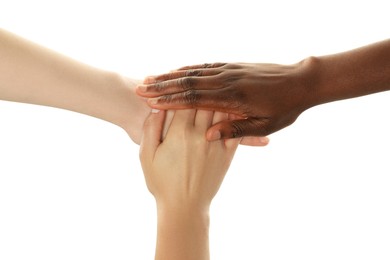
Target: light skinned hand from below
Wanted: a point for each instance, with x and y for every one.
(184, 172)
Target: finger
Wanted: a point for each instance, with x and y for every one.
(235, 117)
(179, 85)
(167, 123)
(230, 144)
(250, 140)
(219, 100)
(203, 120)
(219, 116)
(239, 128)
(183, 119)
(255, 141)
(203, 66)
(181, 74)
(152, 135)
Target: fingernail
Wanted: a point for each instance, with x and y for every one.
(264, 140)
(142, 88)
(150, 79)
(155, 111)
(215, 136)
(153, 101)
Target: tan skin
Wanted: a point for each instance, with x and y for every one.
(269, 97)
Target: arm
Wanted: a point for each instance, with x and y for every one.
(33, 74)
(270, 97)
(184, 172)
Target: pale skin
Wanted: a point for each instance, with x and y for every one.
(30, 73)
(184, 173)
(269, 97)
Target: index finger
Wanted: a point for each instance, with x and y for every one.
(215, 99)
(205, 69)
(181, 74)
(180, 85)
(203, 66)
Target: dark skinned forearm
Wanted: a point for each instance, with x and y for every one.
(350, 74)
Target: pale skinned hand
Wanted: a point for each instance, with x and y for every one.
(266, 97)
(184, 172)
(184, 167)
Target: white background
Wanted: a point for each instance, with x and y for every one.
(71, 186)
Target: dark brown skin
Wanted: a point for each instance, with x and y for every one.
(269, 97)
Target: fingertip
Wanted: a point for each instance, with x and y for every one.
(152, 102)
(150, 80)
(220, 130)
(219, 116)
(140, 89)
(255, 141)
(264, 141)
(234, 117)
(213, 135)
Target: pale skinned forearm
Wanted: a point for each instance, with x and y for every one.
(30, 73)
(182, 233)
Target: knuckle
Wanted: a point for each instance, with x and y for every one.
(214, 65)
(165, 99)
(186, 83)
(251, 127)
(195, 73)
(170, 76)
(260, 127)
(161, 77)
(237, 129)
(236, 100)
(219, 64)
(230, 79)
(191, 97)
(233, 66)
(158, 87)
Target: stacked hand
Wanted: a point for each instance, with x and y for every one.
(264, 97)
(184, 172)
(269, 97)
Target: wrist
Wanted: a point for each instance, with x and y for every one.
(182, 208)
(183, 216)
(182, 219)
(182, 233)
(128, 109)
(309, 80)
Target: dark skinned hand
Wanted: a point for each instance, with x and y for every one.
(268, 97)
(263, 97)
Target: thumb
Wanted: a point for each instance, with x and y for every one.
(152, 135)
(238, 128)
